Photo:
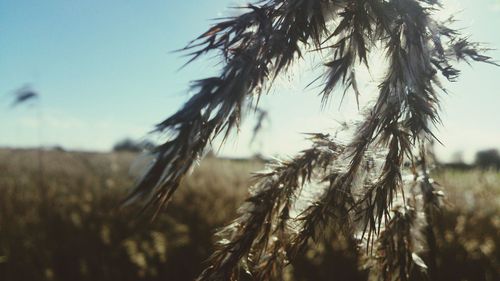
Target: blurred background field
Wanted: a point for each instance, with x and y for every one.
(61, 222)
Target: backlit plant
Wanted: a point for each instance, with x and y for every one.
(376, 186)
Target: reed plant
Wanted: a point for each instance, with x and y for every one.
(375, 187)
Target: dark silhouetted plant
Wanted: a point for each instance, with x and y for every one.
(375, 187)
(23, 95)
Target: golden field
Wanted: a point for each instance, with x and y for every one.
(60, 219)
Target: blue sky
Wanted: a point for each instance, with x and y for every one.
(105, 70)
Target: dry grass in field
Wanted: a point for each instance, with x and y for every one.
(79, 234)
(82, 235)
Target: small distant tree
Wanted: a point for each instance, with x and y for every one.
(127, 145)
(488, 159)
(375, 187)
(457, 162)
(457, 157)
(132, 145)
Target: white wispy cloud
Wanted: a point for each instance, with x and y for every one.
(56, 127)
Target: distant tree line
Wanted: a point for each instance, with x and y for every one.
(485, 159)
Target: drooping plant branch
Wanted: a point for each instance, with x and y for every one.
(263, 221)
(256, 46)
(361, 187)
